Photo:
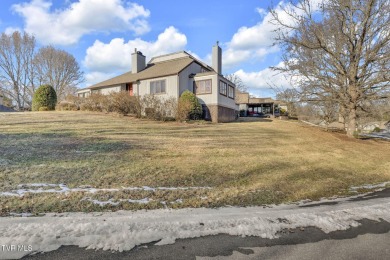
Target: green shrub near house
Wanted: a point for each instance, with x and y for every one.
(189, 107)
(45, 99)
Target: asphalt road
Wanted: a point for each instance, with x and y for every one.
(370, 240)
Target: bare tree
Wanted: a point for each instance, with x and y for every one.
(327, 112)
(59, 69)
(237, 81)
(16, 54)
(338, 50)
(291, 97)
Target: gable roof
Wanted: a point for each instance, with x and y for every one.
(152, 70)
(155, 69)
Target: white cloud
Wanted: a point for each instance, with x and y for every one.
(115, 56)
(256, 42)
(251, 43)
(96, 77)
(263, 79)
(67, 26)
(11, 30)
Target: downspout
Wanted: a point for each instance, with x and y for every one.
(178, 86)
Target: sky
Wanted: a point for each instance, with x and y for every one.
(102, 34)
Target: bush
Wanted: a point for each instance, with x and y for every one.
(183, 110)
(150, 106)
(156, 108)
(44, 96)
(283, 112)
(169, 109)
(124, 104)
(43, 109)
(95, 103)
(74, 100)
(66, 106)
(189, 107)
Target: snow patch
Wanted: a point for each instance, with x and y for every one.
(101, 203)
(371, 186)
(63, 188)
(382, 135)
(123, 230)
(117, 202)
(13, 214)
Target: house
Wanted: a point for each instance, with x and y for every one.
(1, 99)
(170, 75)
(252, 106)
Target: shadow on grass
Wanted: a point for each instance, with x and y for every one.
(41, 148)
(252, 119)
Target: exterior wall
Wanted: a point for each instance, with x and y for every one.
(226, 101)
(209, 99)
(106, 91)
(242, 97)
(186, 83)
(220, 114)
(221, 108)
(171, 87)
(84, 93)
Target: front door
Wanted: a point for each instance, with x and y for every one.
(129, 88)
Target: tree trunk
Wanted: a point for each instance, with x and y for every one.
(351, 122)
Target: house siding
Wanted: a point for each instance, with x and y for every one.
(186, 83)
(206, 99)
(84, 93)
(106, 91)
(220, 108)
(171, 86)
(226, 101)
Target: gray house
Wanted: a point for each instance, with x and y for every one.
(170, 75)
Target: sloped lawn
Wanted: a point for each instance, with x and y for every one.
(78, 161)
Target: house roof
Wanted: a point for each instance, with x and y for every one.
(152, 70)
(261, 100)
(244, 98)
(155, 69)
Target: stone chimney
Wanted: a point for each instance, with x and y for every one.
(217, 59)
(138, 61)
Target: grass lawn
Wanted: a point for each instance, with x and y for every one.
(243, 163)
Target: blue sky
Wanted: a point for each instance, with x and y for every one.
(101, 34)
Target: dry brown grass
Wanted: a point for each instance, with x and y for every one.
(246, 163)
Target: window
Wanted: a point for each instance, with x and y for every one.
(222, 88)
(231, 92)
(157, 87)
(202, 87)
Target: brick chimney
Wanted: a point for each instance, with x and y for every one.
(217, 58)
(138, 61)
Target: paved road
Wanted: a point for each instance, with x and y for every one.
(370, 240)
